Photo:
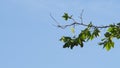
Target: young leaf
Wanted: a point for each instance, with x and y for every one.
(72, 30)
(110, 29)
(107, 46)
(65, 16)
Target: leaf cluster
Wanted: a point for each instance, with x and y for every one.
(85, 35)
(112, 32)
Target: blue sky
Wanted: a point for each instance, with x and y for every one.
(29, 40)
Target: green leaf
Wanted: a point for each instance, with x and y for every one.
(107, 34)
(83, 36)
(107, 46)
(90, 25)
(118, 24)
(103, 39)
(108, 43)
(110, 29)
(66, 45)
(80, 42)
(112, 44)
(65, 39)
(96, 32)
(91, 37)
(101, 43)
(66, 16)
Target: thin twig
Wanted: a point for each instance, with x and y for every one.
(81, 16)
(54, 19)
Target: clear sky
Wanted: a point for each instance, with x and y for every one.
(29, 40)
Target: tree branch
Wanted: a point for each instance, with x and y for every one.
(76, 23)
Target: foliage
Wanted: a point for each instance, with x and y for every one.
(66, 16)
(89, 33)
